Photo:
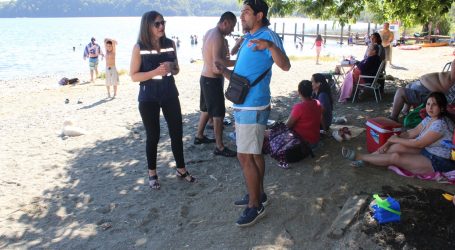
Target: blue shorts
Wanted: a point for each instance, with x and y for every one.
(93, 62)
(439, 164)
(249, 130)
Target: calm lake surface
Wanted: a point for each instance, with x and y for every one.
(32, 47)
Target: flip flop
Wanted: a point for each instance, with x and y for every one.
(348, 153)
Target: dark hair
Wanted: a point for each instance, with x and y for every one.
(318, 37)
(324, 88)
(228, 16)
(109, 42)
(145, 36)
(305, 88)
(377, 37)
(259, 6)
(375, 47)
(441, 100)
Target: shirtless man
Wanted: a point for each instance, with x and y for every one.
(111, 72)
(214, 48)
(387, 38)
(415, 93)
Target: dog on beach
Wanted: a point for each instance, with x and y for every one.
(70, 130)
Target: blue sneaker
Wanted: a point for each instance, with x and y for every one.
(250, 215)
(244, 201)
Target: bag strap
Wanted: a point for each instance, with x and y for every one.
(260, 77)
(257, 79)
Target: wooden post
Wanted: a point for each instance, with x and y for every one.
(341, 35)
(317, 29)
(349, 32)
(295, 33)
(274, 27)
(325, 33)
(368, 29)
(303, 32)
(282, 34)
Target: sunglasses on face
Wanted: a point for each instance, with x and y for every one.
(157, 24)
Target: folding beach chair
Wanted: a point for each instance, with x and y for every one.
(375, 86)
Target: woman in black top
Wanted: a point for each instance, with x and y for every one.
(153, 64)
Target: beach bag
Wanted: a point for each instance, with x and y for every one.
(413, 118)
(239, 87)
(285, 146)
(63, 81)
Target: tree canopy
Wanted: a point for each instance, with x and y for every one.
(409, 12)
(82, 8)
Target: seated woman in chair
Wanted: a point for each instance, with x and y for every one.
(323, 93)
(368, 66)
(418, 150)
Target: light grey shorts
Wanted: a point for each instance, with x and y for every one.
(249, 130)
(111, 76)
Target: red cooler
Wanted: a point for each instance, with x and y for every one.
(379, 130)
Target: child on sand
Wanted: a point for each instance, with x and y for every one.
(111, 72)
(318, 42)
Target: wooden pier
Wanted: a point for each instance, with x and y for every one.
(300, 37)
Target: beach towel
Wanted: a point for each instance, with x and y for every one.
(447, 177)
(355, 131)
(346, 89)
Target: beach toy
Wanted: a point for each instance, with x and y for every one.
(448, 197)
(450, 144)
(386, 210)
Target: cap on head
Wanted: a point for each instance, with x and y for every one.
(259, 6)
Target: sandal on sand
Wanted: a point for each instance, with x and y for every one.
(358, 163)
(348, 153)
(153, 182)
(185, 175)
(225, 152)
(203, 140)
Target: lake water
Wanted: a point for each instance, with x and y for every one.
(44, 46)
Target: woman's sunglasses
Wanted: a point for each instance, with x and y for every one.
(157, 24)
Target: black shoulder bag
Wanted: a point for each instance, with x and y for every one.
(239, 86)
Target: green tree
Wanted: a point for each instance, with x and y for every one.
(409, 12)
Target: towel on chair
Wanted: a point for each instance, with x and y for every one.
(346, 89)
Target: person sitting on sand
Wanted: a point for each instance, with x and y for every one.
(368, 66)
(322, 93)
(305, 118)
(418, 150)
(415, 92)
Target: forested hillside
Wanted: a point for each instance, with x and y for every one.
(84, 8)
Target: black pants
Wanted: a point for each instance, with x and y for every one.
(150, 113)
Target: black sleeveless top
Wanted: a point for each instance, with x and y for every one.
(159, 88)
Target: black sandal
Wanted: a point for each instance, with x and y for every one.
(153, 182)
(184, 175)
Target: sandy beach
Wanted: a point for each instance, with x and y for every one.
(90, 191)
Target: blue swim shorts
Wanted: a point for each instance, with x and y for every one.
(439, 164)
(93, 62)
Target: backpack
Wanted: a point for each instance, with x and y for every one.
(285, 146)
